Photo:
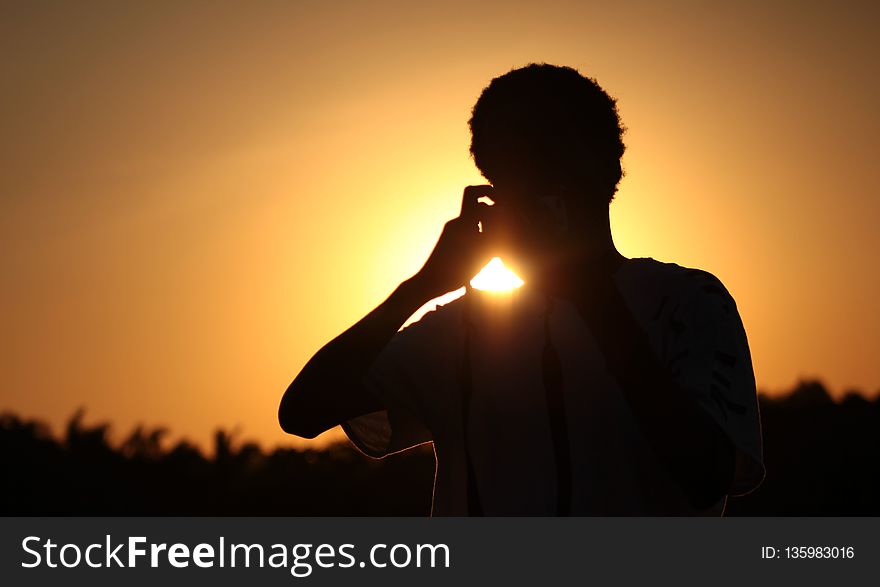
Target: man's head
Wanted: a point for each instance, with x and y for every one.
(546, 127)
(550, 142)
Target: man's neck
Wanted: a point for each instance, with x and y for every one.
(598, 244)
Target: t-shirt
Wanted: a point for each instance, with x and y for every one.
(692, 324)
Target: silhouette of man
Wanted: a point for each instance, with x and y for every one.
(603, 386)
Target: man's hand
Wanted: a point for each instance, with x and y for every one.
(329, 390)
(462, 249)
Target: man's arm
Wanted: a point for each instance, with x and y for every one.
(698, 453)
(330, 390)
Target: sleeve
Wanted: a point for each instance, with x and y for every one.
(707, 351)
(411, 377)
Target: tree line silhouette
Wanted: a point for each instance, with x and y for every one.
(822, 458)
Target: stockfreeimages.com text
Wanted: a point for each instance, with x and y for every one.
(300, 559)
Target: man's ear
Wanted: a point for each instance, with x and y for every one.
(558, 208)
(562, 214)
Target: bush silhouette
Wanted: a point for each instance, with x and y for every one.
(821, 456)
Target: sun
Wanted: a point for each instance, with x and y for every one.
(496, 277)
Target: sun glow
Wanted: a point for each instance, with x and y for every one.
(496, 277)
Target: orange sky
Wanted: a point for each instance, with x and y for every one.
(194, 199)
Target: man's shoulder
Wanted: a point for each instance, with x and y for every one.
(675, 278)
(671, 284)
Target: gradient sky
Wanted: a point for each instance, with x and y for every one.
(194, 197)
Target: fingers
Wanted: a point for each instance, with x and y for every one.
(469, 203)
(484, 210)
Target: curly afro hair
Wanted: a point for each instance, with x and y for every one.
(548, 121)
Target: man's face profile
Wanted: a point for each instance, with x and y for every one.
(549, 140)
